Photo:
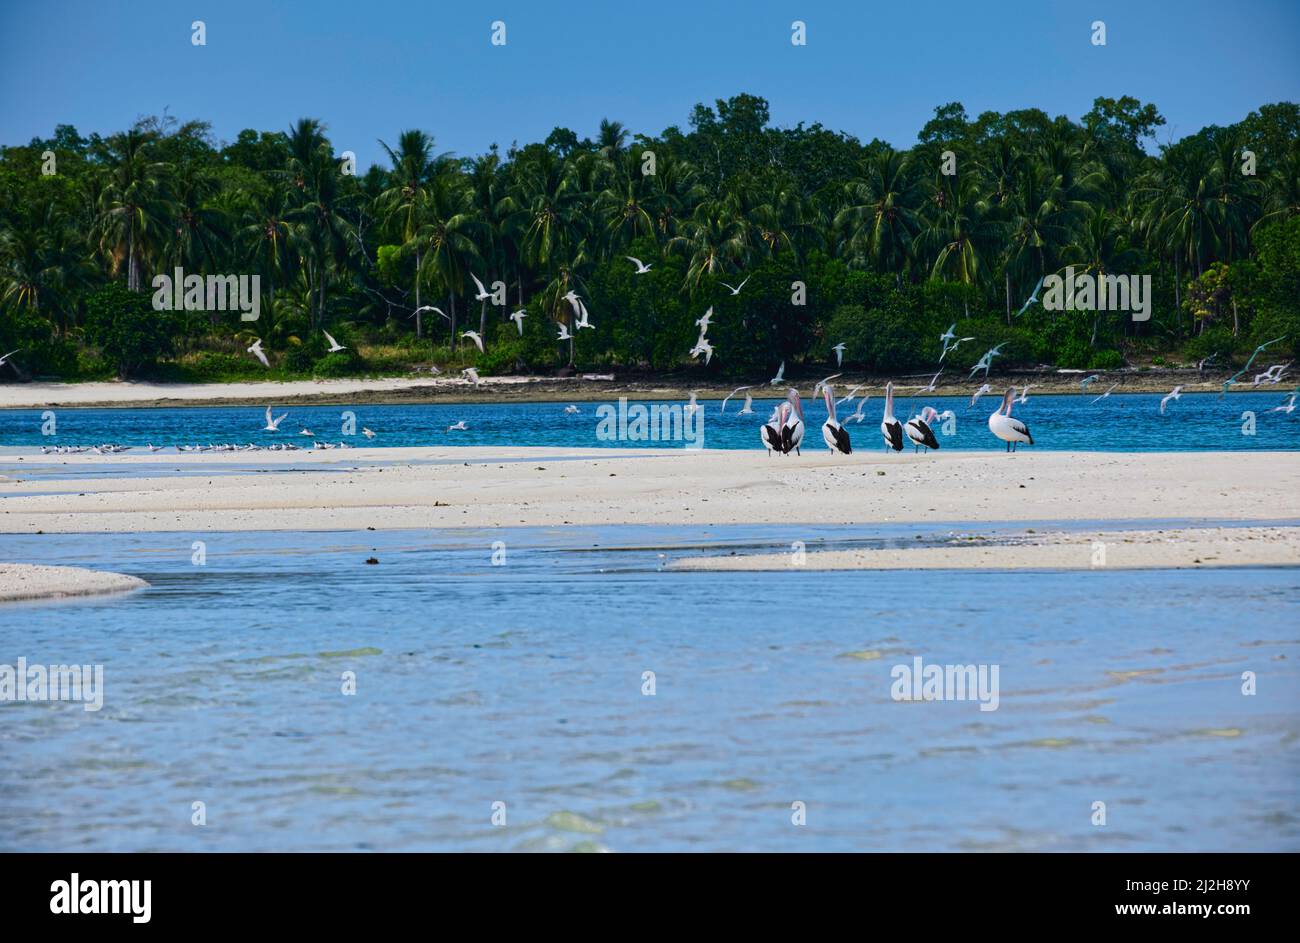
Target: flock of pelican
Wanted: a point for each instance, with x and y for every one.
(783, 432)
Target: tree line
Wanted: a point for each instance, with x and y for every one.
(840, 242)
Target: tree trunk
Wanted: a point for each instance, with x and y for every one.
(1235, 322)
(451, 302)
(417, 294)
(482, 321)
(1008, 274)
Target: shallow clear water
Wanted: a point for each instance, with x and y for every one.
(1130, 423)
(522, 684)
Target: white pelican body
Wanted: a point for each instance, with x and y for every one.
(1009, 430)
(890, 428)
(792, 428)
(770, 431)
(920, 431)
(835, 435)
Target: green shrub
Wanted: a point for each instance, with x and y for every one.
(1106, 360)
(1215, 341)
(342, 363)
(128, 331)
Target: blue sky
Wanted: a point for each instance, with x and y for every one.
(370, 69)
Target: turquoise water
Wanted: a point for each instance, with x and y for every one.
(522, 684)
(1129, 423)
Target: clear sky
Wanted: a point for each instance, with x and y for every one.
(369, 68)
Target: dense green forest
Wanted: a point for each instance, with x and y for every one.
(890, 249)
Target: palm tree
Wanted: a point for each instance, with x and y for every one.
(611, 138)
(133, 205)
(406, 200)
(962, 233)
(1101, 246)
(317, 217)
(713, 238)
(880, 213)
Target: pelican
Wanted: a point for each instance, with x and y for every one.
(985, 388)
(792, 428)
(770, 431)
(839, 354)
(1175, 393)
(739, 389)
(256, 351)
(518, 318)
(780, 376)
(334, 345)
(641, 267)
(272, 425)
(483, 293)
(475, 337)
(919, 430)
(835, 435)
(890, 428)
(736, 289)
(1011, 431)
(458, 427)
(368, 433)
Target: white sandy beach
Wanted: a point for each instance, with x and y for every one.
(450, 386)
(487, 487)
(1166, 548)
(22, 581)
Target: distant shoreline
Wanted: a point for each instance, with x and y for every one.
(489, 487)
(522, 389)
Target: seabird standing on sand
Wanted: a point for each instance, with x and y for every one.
(835, 435)
(890, 428)
(919, 431)
(792, 428)
(1009, 430)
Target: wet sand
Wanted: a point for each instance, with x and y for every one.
(22, 581)
(450, 387)
(484, 487)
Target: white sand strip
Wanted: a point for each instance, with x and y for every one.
(19, 581)
(1179, 548)
(481, 487)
